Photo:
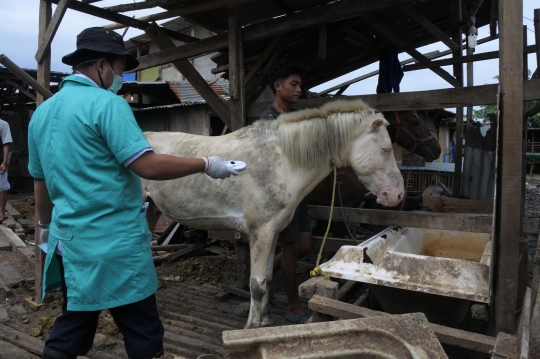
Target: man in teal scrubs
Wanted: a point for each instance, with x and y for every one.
(87, 155)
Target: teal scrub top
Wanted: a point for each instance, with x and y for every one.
(77, 141)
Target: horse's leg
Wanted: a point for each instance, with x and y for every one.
(266, 320)
(152, 214)
(261, 245)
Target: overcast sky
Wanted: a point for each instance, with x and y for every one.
(19, 36)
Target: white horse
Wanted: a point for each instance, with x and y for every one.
(286, 159)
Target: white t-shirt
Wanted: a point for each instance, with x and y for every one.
(5, 136)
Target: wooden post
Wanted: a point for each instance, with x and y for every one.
(537, 39)
(458, 74)
(470, 73)
(237, 101)
(47, 38)
(508, 212)
(43, 72)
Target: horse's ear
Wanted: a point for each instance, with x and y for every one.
(376, 124)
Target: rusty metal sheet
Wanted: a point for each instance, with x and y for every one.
(448, 263)
(404, 336)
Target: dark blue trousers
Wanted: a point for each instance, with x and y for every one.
(73, 332)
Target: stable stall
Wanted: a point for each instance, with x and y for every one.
(333, 38)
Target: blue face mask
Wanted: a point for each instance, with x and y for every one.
(117, 82)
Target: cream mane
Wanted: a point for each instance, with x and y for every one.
(312, 137)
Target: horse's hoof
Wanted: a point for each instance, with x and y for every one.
(268, 322)
(252, 326)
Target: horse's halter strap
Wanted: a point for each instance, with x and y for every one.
(416, 140)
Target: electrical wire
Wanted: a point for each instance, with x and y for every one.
(343, 215)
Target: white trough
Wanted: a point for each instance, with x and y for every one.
(415, 269)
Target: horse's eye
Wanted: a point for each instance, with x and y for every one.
(387, 150)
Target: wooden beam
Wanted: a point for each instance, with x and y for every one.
(429, 55)
(448, 221)
(46, 40)
(537, 39)
(126, 20)
(493, 17)
(323, 35)
(154, 31)
(42, 90)
(509, 206)
(237, 101)
(224, 68)
(20, 88)
(428, 25)
(456, 13)
(358, 36)
(148, 4)
(257, 85)
(469, 58)
(418, 100)
(298, 20)
(186, 10)
(399, 42)
(272, 46)
(460, 338)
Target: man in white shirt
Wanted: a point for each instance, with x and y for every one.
(6, 141)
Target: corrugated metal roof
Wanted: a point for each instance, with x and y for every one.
(166, 107)
(186, 93)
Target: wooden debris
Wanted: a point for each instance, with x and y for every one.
(12, 211)
(361, 299)
(5, 243)
(236, 291)
(26, 224)
(9, 222)
(192, 248)
(16, 242)
(32, 303)
(460, 338)
(28, 254)
(169, 247)
(221, 296)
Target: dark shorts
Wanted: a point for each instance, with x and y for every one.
(299, 223)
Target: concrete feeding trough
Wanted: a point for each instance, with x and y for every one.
(436, 272)
(405, 336)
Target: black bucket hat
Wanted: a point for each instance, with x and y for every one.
(96, 41)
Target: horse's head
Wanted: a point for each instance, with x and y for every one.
(406, 130)
(371, 157)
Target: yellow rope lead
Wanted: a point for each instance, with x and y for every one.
(318, 271)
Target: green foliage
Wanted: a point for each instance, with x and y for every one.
(484, 111)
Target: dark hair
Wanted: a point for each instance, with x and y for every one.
(283, 69)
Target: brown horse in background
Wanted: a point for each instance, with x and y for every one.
(404, 129)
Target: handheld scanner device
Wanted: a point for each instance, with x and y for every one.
(238, 166)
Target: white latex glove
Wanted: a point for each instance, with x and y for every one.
(215, 168)
(44, 235)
